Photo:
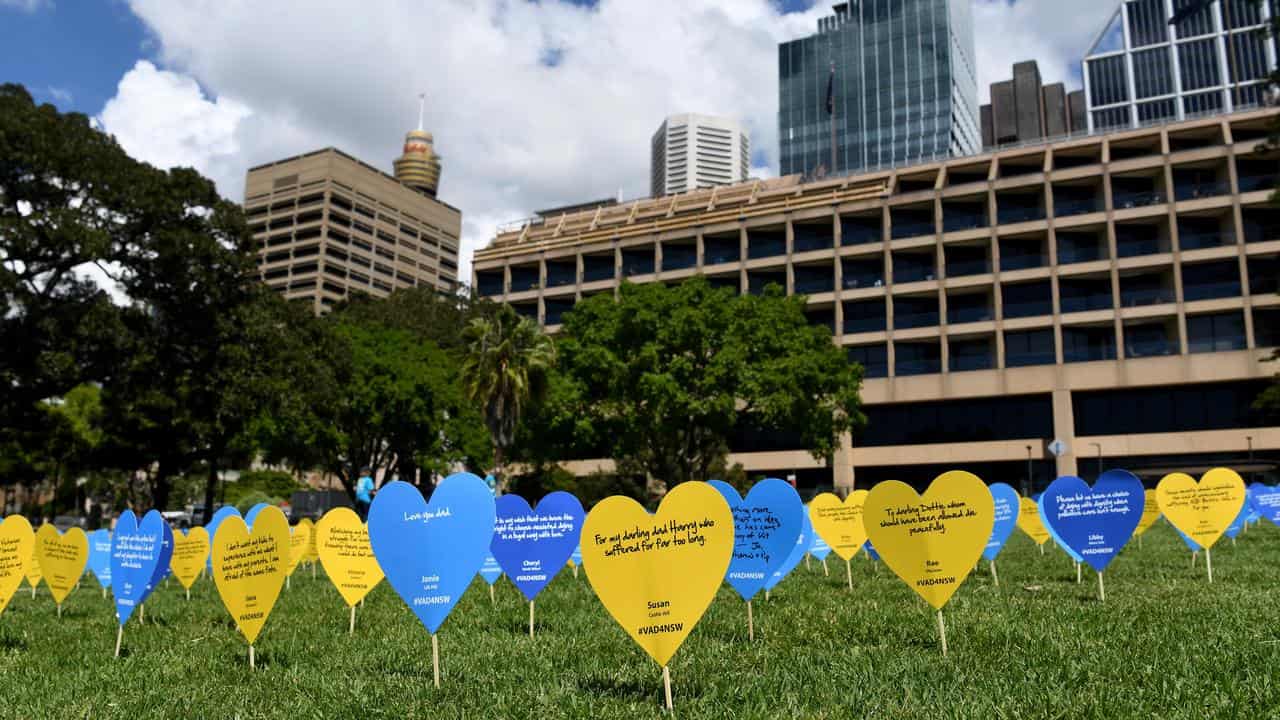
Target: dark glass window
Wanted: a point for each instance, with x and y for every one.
(966, 260)
(1216, 332)
(917, 358)
(556, 309)
(597, 267)
(970, 354)
(1011, 417)
(1027, 299)
(1210, 280)
(1264, 274)
(1180, 408)
(874, 359)
(1149, 339)
(862, 272)
(1029, 347)
(1108, 80)
(810, 279)
(864, 316)
(1021, 253)
(1088, 344)
(560, 273)
(678, 256)
(915, 311)
(524, 277)
(637, 261)
(1152, 73)
(859, 229)
(766, 243)
(812, 236)
(969, 307)
(721, 249)
(1080, 247)
(1266, 327)
(1082, 294)
(913, 266)
(1147, 22)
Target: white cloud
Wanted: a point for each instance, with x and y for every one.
(163, 118)
(61, 95)
(26, 5)
(292, 76)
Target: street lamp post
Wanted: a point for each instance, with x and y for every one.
(1027, 489)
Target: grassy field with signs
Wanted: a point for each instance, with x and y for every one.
(1165, 644)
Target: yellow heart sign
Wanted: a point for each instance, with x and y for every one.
(343, 543)
(1203, 510)
(34, 574)
(249, 568)
(190, 553)
(62, 558)
(312, 555)
(17, 548)
(1150, 512)
(657, 574)
(301, 540)
(1029, 521)
(839, 524)
(932, 541)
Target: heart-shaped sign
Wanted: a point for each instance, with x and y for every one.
(1192, 545)
(870, 550)
(1044, 522)
(343, 542)
(135, 555)
(311, 554)
(575, 558)
(489, 570)
(1150, 512)
(253, 513)
(1094, 522)
(840, 523)
(1008, 505)
(100, 556)
(249, 567)
(766, 524)
(17, 548)
(1201, 510)
(190, 553)
(818, 547)
(657, 574)
(211, 527)
(1266, 501)
(300, 542)
(34, 573)
(166, 555)
(1029, 521)
(531, 545)
(62, 558)
(931, 541)
(793, 558)
(432, 550)
(1237, 525)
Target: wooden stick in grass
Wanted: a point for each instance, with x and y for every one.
(119, 638)
(1208, 563)
(1078, 579)
(435, 659)
(848, 571)
(751, 624)
(251, 663)
(492, 600)
(1102, 589)
(531, 619)
(351, 630)
(666, 687)
(942, 632)
(825, 570)
(995, 576)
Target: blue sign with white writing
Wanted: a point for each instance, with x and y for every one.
(490, 570)
(1266, 500)
(1053, 533)
(163, 570)
(532, 544)
(135, 555)
(1007, 505)
(766, 524)
(871, 551)
(431, 551)
(796, 555)
(219, 515)
(1097, 521)
(100, 556)
(1238, 524)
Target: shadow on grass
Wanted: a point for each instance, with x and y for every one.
(633, 690)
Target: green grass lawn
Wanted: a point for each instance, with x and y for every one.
(1165, 644)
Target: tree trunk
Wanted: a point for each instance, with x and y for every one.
(499, 477)
(162, 486)
(210, 487)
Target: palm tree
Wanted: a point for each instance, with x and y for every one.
(508, 358)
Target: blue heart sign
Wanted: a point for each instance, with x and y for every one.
(795, 556)
(489, 570)
(871, 551)
(818, 547)
(431, 551)
(1266, 500)
(576, 556)
(1008, 505)
(219, 515)
(1238, 524)
(1057, 540)
(166, 555)
(253, 513)
(531, 545)
(1094, 522)
(100, 556)
(766, 524)
(135, 555)
(1192, 545)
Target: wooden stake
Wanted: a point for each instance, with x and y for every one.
(287, 583)
(1078, 580)
(1102, 589)
(530, 619)
(119, 638)
(33, 592)
(491, 598)
(1208, 563)
(807, 566)
(313, 571)
(848, 571)
(825, 570)
(104, 593)
(666, 687)
(1194, 553)
(995, 577)
(1139, 542)
(435, 658)
(351, 630)
(1233, 542)
(751, 624)
(766, 596)
(1041, 549)
(942, 633)
(59, 609)
(142, 613)
(188, 594)
(575, 572)
(251, 664)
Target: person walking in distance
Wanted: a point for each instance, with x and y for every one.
(364, 493)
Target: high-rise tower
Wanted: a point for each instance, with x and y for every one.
(419, 166)
(693, 151)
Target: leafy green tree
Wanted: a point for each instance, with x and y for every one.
(508, 358)
(667, 373)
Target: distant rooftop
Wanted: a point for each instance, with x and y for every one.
(357, 161)
(576, 207)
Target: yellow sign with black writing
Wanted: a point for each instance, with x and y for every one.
(1029, 521)
(17, 551)
(1201, 510)
(190, 551)
(311, 555)
(249, 568)
(343, 543)
(301, 540)
(839, 524)
(657, 574)
(62, 557)
(1150, 512)
(34, 574)
(932, 541)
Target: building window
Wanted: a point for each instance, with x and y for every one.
(1009, 417)
(1152, 74)
(970, 354)
(874, 359)
(1217, 332)
(1029, 347)
(1148, 24)
(1088, 344)
(917, 358)
(1183, 408)
(1107, 83)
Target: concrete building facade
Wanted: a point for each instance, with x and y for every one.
(692, 151)
(1117, 293)
(1023, 109)
(883, 83)
(1161, 60)
(328, 225)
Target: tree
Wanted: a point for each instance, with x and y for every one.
(508, 358)
(666, 375)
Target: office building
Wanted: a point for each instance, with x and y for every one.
(882, 83)
(1115, 292)
(328, 225)
(1023, 109)
(1160, 60)
(697, 151)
